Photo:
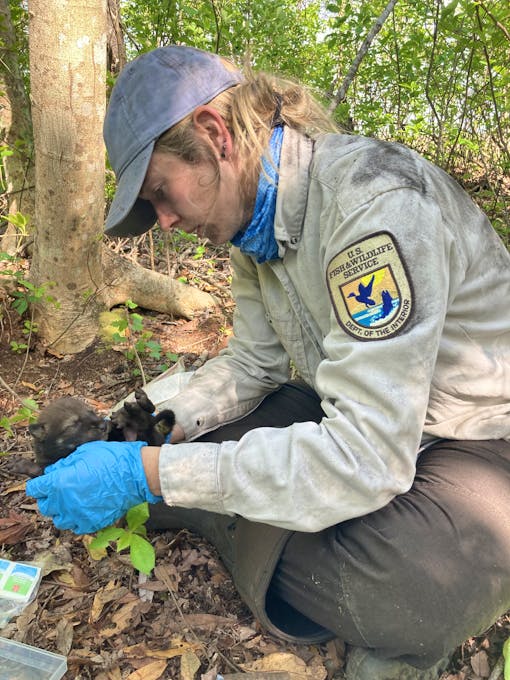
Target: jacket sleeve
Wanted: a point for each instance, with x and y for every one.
(374, 394)
(254, 364)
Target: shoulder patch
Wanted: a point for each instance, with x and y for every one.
(370, 289)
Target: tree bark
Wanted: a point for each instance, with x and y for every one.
(116, 50)
(68, 87)
(15, 131)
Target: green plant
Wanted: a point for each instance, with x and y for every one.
(18, 347)
(199, 253)
(28, 294)
(131, 332)
(25, 292)
(29, 328)
(27, 411)
(132, 538)
(171, 358)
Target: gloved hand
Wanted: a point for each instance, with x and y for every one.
(93, 487)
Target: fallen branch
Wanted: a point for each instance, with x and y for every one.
(149, 289)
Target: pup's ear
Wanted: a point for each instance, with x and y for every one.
(37, 430)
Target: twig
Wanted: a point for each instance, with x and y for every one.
(498, 669)
(135, 351)
(10, 390)
(495, 20)
(378, 24)
(29, 340)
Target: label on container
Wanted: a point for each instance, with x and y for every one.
(18, 581)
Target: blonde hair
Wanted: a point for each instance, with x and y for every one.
(250, 111)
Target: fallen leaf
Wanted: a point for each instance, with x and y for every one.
(78, 656)
(112, 674)
(282, 661)
(152, 671)
(208, 621)
(480, 664)
(244, 633)
(57, 559)
(27, 615)
(54, 353)
(109, 593)
(64, 641)
(15, 487)
(167, 573)
(177, 647)
(31, 386)
(210, 675)
(139, 651)
(190, 663)
(97, 554)
(263, 675)
(152, 586)
(122, 619)
(80, 578)
(14, 528)
(65, 579)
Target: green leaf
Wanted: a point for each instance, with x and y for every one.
(31, 404)
(124, 540)
(6, 425)
(506, 656)
(136, 322)
(137, 516)
(105, 537)
(142, 554)
(141, 531)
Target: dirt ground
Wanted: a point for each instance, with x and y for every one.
(185, 621)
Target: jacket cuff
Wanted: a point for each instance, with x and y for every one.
(188, 476)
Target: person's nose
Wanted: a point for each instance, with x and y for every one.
(166, 219)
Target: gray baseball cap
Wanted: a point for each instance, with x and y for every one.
(153, 93)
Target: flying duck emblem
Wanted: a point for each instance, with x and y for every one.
(364, 293)
(370, 289)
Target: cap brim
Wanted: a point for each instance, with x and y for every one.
(128, 214)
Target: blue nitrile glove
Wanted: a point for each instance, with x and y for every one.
(93, 487)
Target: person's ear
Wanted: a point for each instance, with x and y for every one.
(210, 124)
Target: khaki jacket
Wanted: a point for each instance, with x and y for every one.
(391, 299)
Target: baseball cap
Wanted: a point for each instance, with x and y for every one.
(152, 93)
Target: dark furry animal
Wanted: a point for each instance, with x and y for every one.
(67, 422)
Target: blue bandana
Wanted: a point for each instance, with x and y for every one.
(258, 238)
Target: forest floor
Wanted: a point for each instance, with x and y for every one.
(185, 621)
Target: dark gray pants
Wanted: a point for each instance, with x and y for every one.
(414, 579)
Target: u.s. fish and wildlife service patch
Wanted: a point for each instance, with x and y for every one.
(370, 288)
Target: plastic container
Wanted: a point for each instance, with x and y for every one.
(19, 583)
(23, 662)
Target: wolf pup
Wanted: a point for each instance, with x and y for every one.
(68, 422)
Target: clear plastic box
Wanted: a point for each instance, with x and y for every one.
(23, 662)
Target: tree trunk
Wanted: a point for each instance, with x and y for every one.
(116, 50)
(68, 70)
(15, 131)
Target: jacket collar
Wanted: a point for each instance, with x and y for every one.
(293, 183)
